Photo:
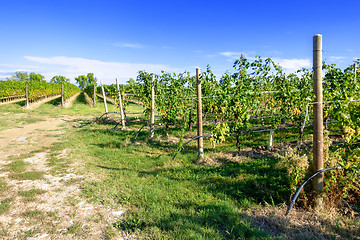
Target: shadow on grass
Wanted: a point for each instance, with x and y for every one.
(256, 180)
(80, 99)
(211, 222)
(245, 183)
(119, 138)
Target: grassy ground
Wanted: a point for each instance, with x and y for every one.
(226, 196)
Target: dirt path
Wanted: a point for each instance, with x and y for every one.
(37, 104)
(39, 201)
(30, 137)
(69, 102)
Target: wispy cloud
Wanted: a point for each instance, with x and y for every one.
(291, 65)
(231, 54)
(104, 71)
(336, 58)
(7, 70)
(6, 74)
(128, 45)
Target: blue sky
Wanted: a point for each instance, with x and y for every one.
(115, 39)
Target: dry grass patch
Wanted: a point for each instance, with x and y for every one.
(328, 224)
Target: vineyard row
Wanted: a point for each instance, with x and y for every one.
(33, 91)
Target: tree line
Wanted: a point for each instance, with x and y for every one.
(82, 80)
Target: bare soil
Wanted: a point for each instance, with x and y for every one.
(69, 102)
(37, 104)
(58, 211)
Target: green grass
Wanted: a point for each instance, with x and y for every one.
(4, 124)
(79, 108)
(164, 198)
(74, 229)
(3, 184)
(33, 214)
(29, 120)
(176, 199)
(5, 205)
(17, 166)
(31, 175)
(29, 195)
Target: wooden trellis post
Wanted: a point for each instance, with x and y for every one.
(120, 105)
(355, 72)
(27, 95)
(318, 141)
(152, 116)
(199, 115)
(94, 96)
(104, 96)
(62, 95)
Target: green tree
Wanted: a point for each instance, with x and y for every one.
(83, 80)
(26, 77)
(20, 76)
(59, 79)
(36, 77)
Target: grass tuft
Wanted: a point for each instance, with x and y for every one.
(17, 166)
(33, 214)
(5, 205)
(32, 175)
(75, 228)
(31, 194)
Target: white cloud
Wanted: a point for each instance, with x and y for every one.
(104, 71)
(291, 65)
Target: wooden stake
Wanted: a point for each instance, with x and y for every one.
(271, 140)
(152, 116)
(318, 142)
(62, 95)
(355, 72)
(104, 96)
(27, 95)
(199, 115)
(94, 95)
(120, 105)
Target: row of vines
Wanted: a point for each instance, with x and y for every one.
(37, 90)
(259, 96)
(259, 93)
